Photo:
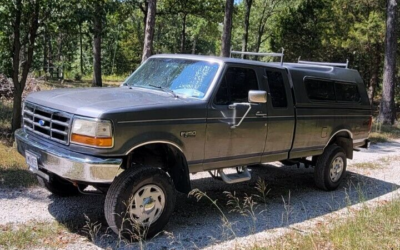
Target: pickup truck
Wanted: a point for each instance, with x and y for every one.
(181, 114)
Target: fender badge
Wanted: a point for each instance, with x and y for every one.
(187, 134)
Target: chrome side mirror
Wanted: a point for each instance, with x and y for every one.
(257, 96)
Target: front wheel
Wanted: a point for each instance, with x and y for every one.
(330, 168)
(140, 202)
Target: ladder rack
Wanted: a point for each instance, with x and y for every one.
(272, 54)
(345, 65)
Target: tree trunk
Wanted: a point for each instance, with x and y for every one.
(227, 30)
(50, 58)
(16, 120)
(246, 25)
(45, 54)
(183, 34)
(81, 49)
(145, 11)
(149, 34)
(194, 44)
(259, 36)
(375, 73)
(19, 85)
(97, 29)
(387, 114)
(60, 73)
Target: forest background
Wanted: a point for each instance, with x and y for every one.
(107, 39)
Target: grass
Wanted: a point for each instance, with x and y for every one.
(13, 169)
(368, 165)
(384, 133)
(109, 78)
(377, 164)
(5, 119)
(35, 234)
(54, 84)
(370, 228)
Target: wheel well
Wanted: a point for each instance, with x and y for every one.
(166, 157)
(345, 141)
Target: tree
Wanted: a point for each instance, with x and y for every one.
(387, 113)
(246, 25)
(268, 9)
(25, 25)
(149, 34)
(227, 30)
(97, 34)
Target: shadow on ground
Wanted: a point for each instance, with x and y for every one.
(293, 198)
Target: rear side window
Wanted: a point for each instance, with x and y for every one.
(320, 90)
(235, 86)
(277, 89)
(347, 92)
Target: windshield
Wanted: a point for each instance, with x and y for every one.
(184, 77)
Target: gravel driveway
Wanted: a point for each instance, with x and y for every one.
(292, 199)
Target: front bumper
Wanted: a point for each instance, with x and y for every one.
(66, 164)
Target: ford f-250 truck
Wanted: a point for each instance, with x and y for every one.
(182, 114)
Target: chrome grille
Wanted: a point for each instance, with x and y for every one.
(47, 122)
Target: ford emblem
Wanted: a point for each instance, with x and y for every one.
(41, 123)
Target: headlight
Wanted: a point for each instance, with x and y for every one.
(95, 133)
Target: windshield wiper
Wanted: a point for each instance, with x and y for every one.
(165, 90)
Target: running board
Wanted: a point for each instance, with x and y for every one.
(235, 178)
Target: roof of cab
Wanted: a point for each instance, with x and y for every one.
(293, 66)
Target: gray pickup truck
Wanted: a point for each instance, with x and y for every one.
(182, 114)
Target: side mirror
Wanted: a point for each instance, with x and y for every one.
(257, 96)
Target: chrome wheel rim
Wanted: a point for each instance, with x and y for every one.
(336, 169)
(147, 205)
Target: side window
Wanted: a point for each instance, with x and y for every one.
(320, 90)
(277, 89)
(235, 86)
(347, 92)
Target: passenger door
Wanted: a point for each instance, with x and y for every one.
(226, 146)
(281, 118)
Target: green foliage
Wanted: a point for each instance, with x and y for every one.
(321, 30)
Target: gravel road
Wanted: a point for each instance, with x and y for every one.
(292, 200)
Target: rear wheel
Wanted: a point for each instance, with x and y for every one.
(140, 202)
(330, 168)
(59, 186)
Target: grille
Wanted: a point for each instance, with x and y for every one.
(48, 123)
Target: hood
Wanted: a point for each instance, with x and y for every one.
(94, 102)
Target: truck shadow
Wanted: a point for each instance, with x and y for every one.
(292, 198)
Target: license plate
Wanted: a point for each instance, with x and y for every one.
(31, 160)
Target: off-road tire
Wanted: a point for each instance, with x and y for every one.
(122, 189)
(322, 168)
(60, 187)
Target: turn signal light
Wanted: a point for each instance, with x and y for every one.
(101, 142)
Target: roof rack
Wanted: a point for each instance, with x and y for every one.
(345, 65)
(273, 54)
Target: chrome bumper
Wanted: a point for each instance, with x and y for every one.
(67, 164)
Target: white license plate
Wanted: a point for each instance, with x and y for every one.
(31, 160)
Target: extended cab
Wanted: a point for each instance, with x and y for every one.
(182, 114)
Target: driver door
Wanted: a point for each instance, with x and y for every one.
(226, 146)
